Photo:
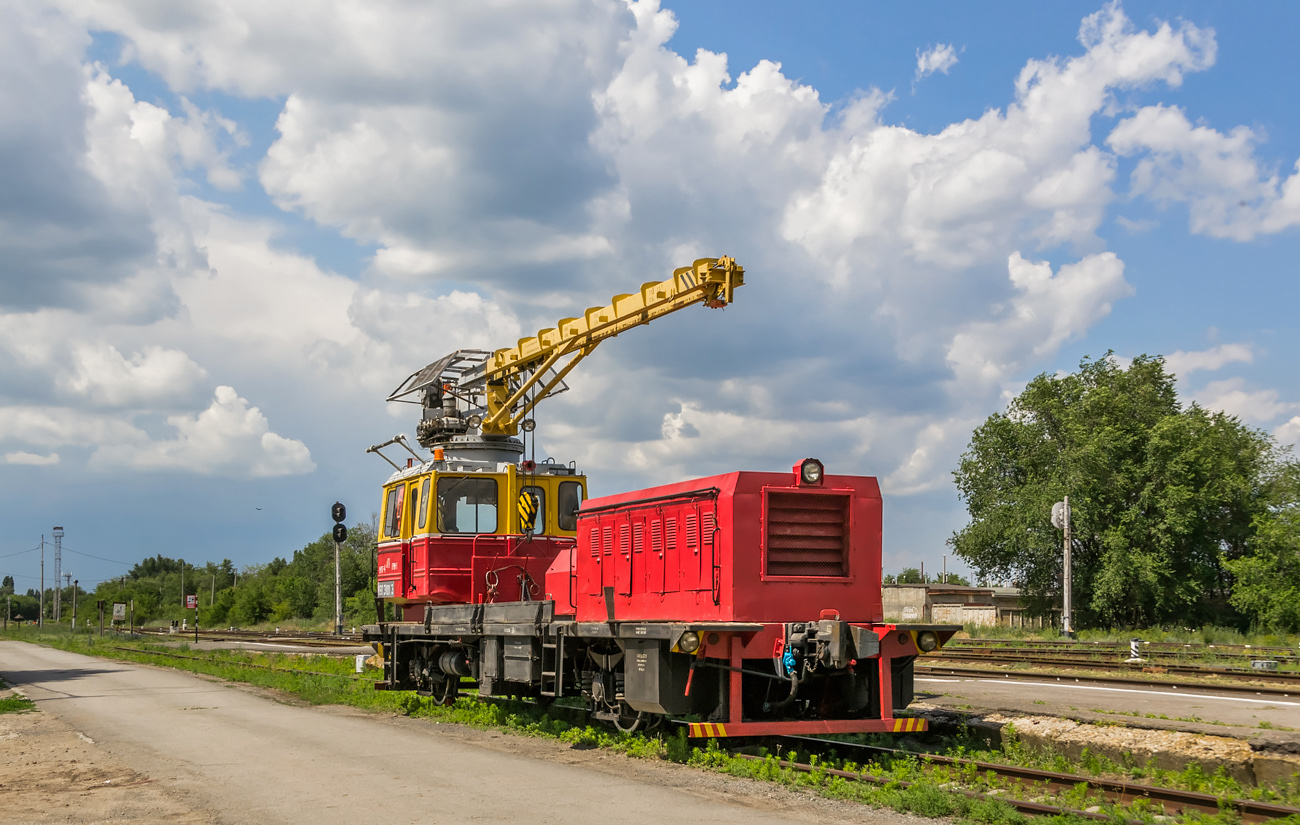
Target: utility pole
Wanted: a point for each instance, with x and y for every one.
(74, 604)
(40, 617)
(67, 582)
(58, 565)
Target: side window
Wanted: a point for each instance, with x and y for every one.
(393, 512)
(424, 498)
(566, 505)
(539, 501)
(467, 505)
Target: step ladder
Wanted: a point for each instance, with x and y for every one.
(552, 681)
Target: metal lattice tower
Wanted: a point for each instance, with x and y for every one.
(58, 563)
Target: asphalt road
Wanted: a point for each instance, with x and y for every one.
(242, 757)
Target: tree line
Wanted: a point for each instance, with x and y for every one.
(298, 588)
(1179, 515)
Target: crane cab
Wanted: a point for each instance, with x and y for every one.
(474, 532)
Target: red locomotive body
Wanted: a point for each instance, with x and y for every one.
(740, 547)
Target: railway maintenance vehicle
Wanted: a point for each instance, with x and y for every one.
(747, 601)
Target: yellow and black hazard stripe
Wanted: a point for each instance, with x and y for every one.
(910, 725)
(527, 510)
(707, 730)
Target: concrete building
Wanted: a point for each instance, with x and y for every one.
(955, 604)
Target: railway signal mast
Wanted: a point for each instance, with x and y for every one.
(1061, 521)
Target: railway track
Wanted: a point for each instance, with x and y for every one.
(1285, 681)
(939, 669)
(301, 638)
(1033, 783)
(1159, 650)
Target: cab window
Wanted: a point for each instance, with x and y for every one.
(467, 505)
(393, 512)
(539, 499)
(424, 498)
(566, 505)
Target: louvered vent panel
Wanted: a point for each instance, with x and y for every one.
(807, 534)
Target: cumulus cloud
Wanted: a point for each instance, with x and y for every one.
(1182, 363)
(33, 459)
(966, 194)
(1252, 406)
(1046, 311)
(156, 377)
(229, 438)
(938, 58)
(1288, 435)
(1217, 175)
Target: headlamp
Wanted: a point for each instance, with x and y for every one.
(811, 471)
(689, 642)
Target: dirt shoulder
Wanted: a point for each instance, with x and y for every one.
(50, 773)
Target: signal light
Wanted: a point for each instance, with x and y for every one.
(340, 533)
(338, 512)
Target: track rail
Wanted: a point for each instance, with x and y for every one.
(302, 638)
(939, 669)
(1287, 683)
(1042, 783)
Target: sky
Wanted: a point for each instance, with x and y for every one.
(229, 229)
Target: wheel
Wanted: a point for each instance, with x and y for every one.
(446, 692)
(629, 723)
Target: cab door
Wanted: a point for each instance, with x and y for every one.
(416, 552)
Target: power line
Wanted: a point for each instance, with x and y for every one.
(20, 552)
(100, 558)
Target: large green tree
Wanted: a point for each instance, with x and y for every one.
(1163, 496)
(1267, 587)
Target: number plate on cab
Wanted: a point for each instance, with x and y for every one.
(387, 590)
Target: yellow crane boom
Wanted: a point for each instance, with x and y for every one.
(511, 381)
(710, 281)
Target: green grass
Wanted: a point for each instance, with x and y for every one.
(15, 703)
(906, 783)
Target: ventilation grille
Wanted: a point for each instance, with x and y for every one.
(807, 534)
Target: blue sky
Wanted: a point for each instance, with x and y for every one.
(229, 230)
